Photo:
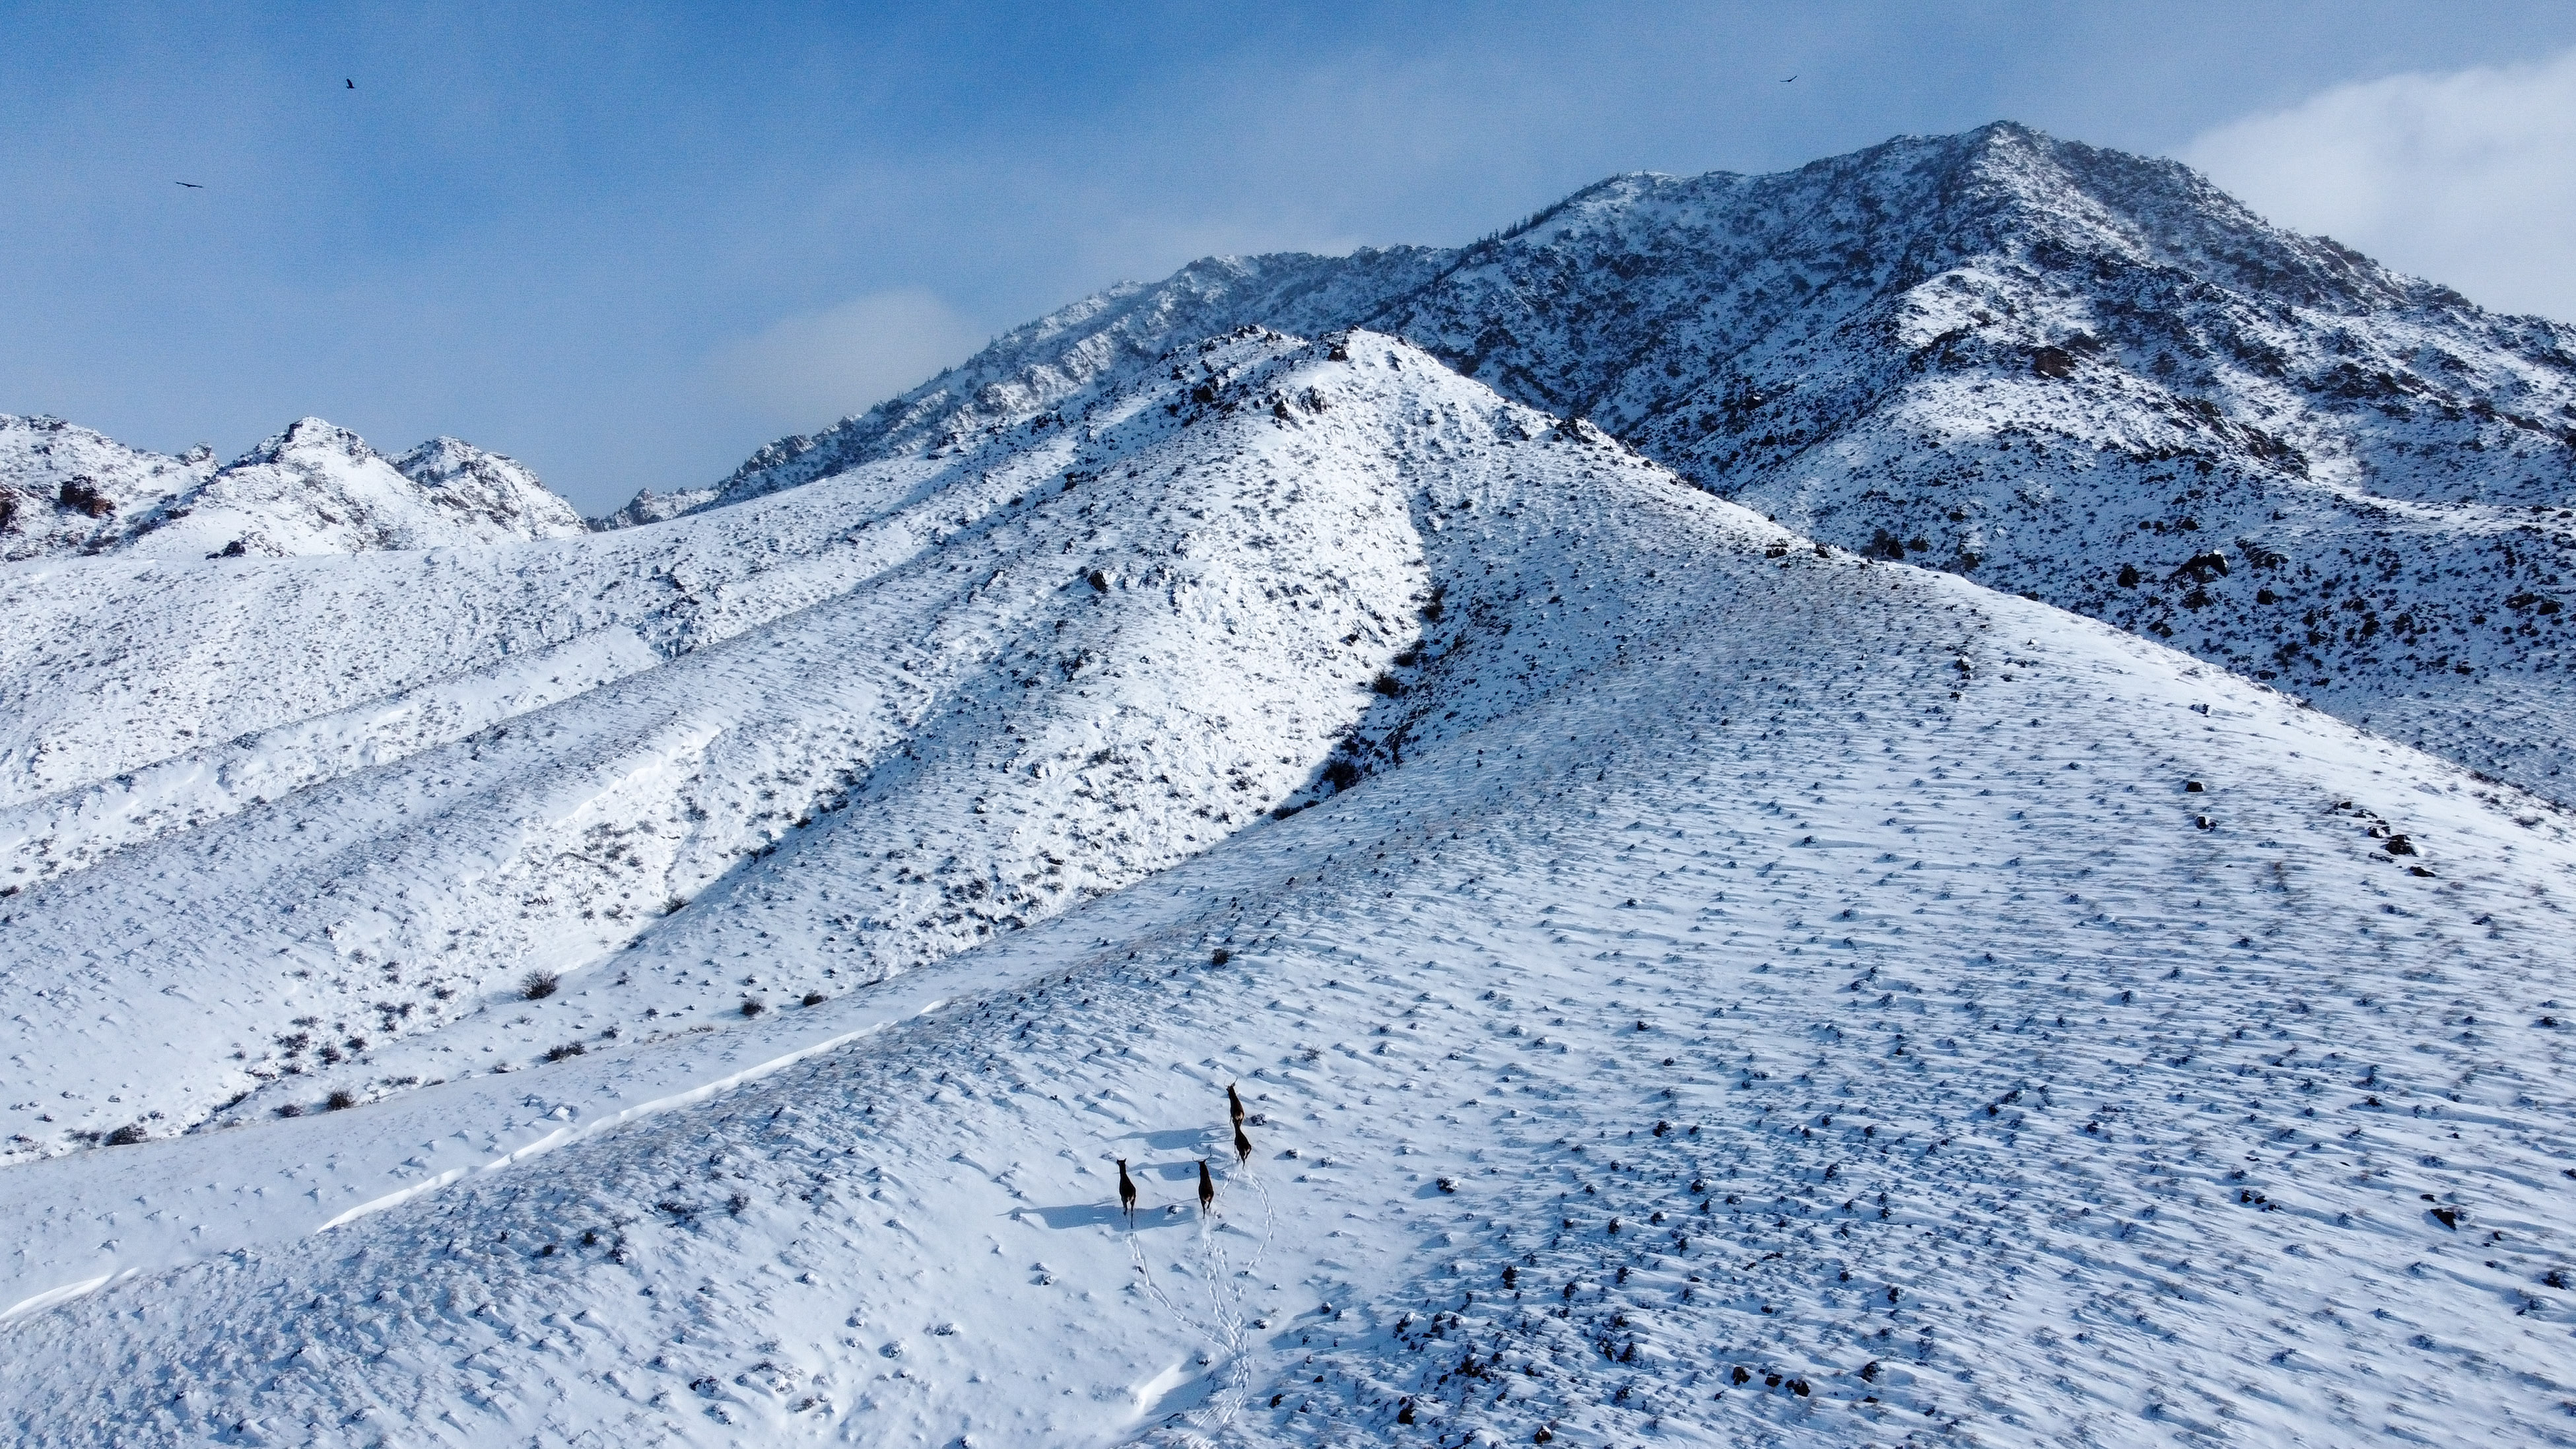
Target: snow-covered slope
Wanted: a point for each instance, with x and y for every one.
(1687, 983)
(313, 489)
(2061, 370)
(963, 696)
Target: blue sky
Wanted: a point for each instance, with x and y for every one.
(627, 244)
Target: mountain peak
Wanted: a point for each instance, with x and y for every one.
(308, 434)
(313, 487)
(2028, 358)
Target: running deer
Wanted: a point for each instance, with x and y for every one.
(1126, 1192)
(1207, 1189)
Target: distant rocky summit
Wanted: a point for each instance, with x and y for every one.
(312, 489)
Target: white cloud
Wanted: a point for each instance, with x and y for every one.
(2466, 178)
(810, 370)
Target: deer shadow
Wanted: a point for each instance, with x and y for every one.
(1096, 1214)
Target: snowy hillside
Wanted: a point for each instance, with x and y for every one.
(1687, 983)
(2058, 370)
(313, 489)
(999, 673)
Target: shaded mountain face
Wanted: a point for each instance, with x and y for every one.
(2063, 371)
(312, 489)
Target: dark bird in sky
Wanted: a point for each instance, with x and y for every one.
(353, 85)
(1785, 80)
(191, 185)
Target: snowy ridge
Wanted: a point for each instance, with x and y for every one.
(313, 489)
(1099, 343)
(2062, 370)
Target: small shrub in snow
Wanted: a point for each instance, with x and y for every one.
(568, 1049)
(340, 1100)
(813, 998)
(127, 1135)
(753, 1006)
(538, 985)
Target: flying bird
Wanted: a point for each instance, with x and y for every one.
(191, 185)
(353, 85)
(1787, 79)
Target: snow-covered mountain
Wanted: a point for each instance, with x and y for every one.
(2059, 370)
(1650, 945)
(705, 981)
(313, 489)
